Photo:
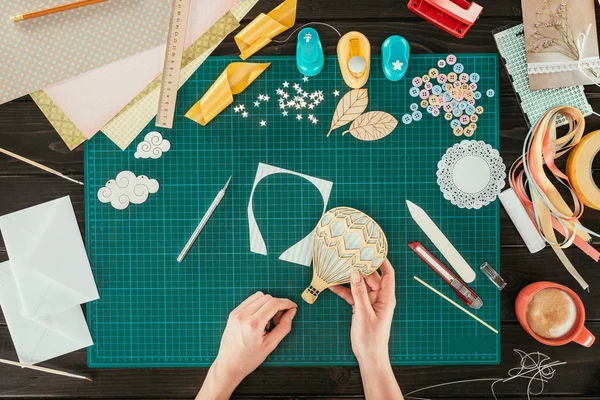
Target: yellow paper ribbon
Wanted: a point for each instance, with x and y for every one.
(259, 33)
(236, 77)
(579, 169)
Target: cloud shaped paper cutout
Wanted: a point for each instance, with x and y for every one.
(153, 146)
(127, 188)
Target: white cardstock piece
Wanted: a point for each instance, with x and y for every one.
(153, 146)
(127, 188)
(471, 174)
(301, 252)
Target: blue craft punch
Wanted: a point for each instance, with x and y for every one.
(395, 52)
(309, 52)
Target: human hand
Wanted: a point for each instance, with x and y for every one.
(373, 300)
(246, 343)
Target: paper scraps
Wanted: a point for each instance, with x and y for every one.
(373, 125)
(236, 77)
(153, 146)
(258, 33)
(451, 90)
(350, 106)
(127, 188)
(301, 252)
(471, 174)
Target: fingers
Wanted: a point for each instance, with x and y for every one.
(388, 281)
(374, 281)
(281, 329)
(272, 307)
(256, 305)
(362, 303)
(343, 292)
(247, 302)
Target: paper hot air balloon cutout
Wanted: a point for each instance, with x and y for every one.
(345, 240)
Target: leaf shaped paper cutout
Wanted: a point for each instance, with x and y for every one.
(373, 125)
(350, 106)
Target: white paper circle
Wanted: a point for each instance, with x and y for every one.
(471, 174)
(357, 64)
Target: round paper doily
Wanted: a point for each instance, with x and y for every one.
(471, 174)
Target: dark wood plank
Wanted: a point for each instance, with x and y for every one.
(579, 377)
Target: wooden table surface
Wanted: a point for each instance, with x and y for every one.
(24, 130)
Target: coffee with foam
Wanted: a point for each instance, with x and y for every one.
(551, 313)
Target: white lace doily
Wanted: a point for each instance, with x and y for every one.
(471, 174)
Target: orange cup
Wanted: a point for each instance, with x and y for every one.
(579, 334)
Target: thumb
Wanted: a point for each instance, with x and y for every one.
(362, 304)
(281, 330)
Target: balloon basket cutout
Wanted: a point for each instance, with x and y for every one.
(345, 240)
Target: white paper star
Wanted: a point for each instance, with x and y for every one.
(336, 93)
(261, 97)
(397, 65)
(286, 84)
(236, 109)
(256, 103)
(305, 78)
(310, 116)
(298, 106)
(291, 103)
(284, 113)
(299, 117)
(282, 106)
(279, 92)
(314, 121)
(266, 97)
(317, 101)
(242, 107)
(245, 114)
(263, 122)
(285, 95)
(302, 103)
(311, 106)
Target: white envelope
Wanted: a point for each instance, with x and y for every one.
(42, 338)
(47, 258)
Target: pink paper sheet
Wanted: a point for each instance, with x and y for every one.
(92, 99)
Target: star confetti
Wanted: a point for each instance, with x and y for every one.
(242, 107)
(299, 117)
(336, 93)
(284, 113)
(256, 103)
(286, 84)
(236, 109)
(305, 78)
(263, 122)
(245, 114)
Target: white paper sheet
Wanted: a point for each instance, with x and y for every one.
(41, 338)
(92, 99)
(48, 258)
(301, 252)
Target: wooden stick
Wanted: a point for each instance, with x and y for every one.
(455, 304)
(44, 369)
(38, 165)
(52, 10)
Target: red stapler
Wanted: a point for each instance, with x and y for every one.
(454, 16)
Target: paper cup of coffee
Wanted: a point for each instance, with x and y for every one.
(553, 314)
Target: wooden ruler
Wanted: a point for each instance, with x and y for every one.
(169, 83)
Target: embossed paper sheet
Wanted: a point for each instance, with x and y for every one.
(45, 50)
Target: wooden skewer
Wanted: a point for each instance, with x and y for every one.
(52, 10)
(455, 304)
(44, 369)
(38, 165)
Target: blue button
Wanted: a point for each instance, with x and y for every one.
(416, 116)
(407, 119)
(454, 103)
(414, 92)
(454, 123)
(477, 95)
(457, 112)
(462, 105)
(490, 93)
(430, 108)
(470, 110)
(458, 68)
(447, 96)
(474, 77)
(437, 90)
(414, 107)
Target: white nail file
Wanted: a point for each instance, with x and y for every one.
(462, 268)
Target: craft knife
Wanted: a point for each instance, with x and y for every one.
(465, 293)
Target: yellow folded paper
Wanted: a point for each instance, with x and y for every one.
(234, 80)
(259, 33)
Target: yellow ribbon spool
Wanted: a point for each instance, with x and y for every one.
(579, 169)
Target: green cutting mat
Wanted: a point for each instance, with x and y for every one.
(155, 312)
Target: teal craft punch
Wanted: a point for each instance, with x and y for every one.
(395, 52)
(309, 52)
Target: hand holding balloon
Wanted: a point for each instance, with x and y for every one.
(373, 300)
